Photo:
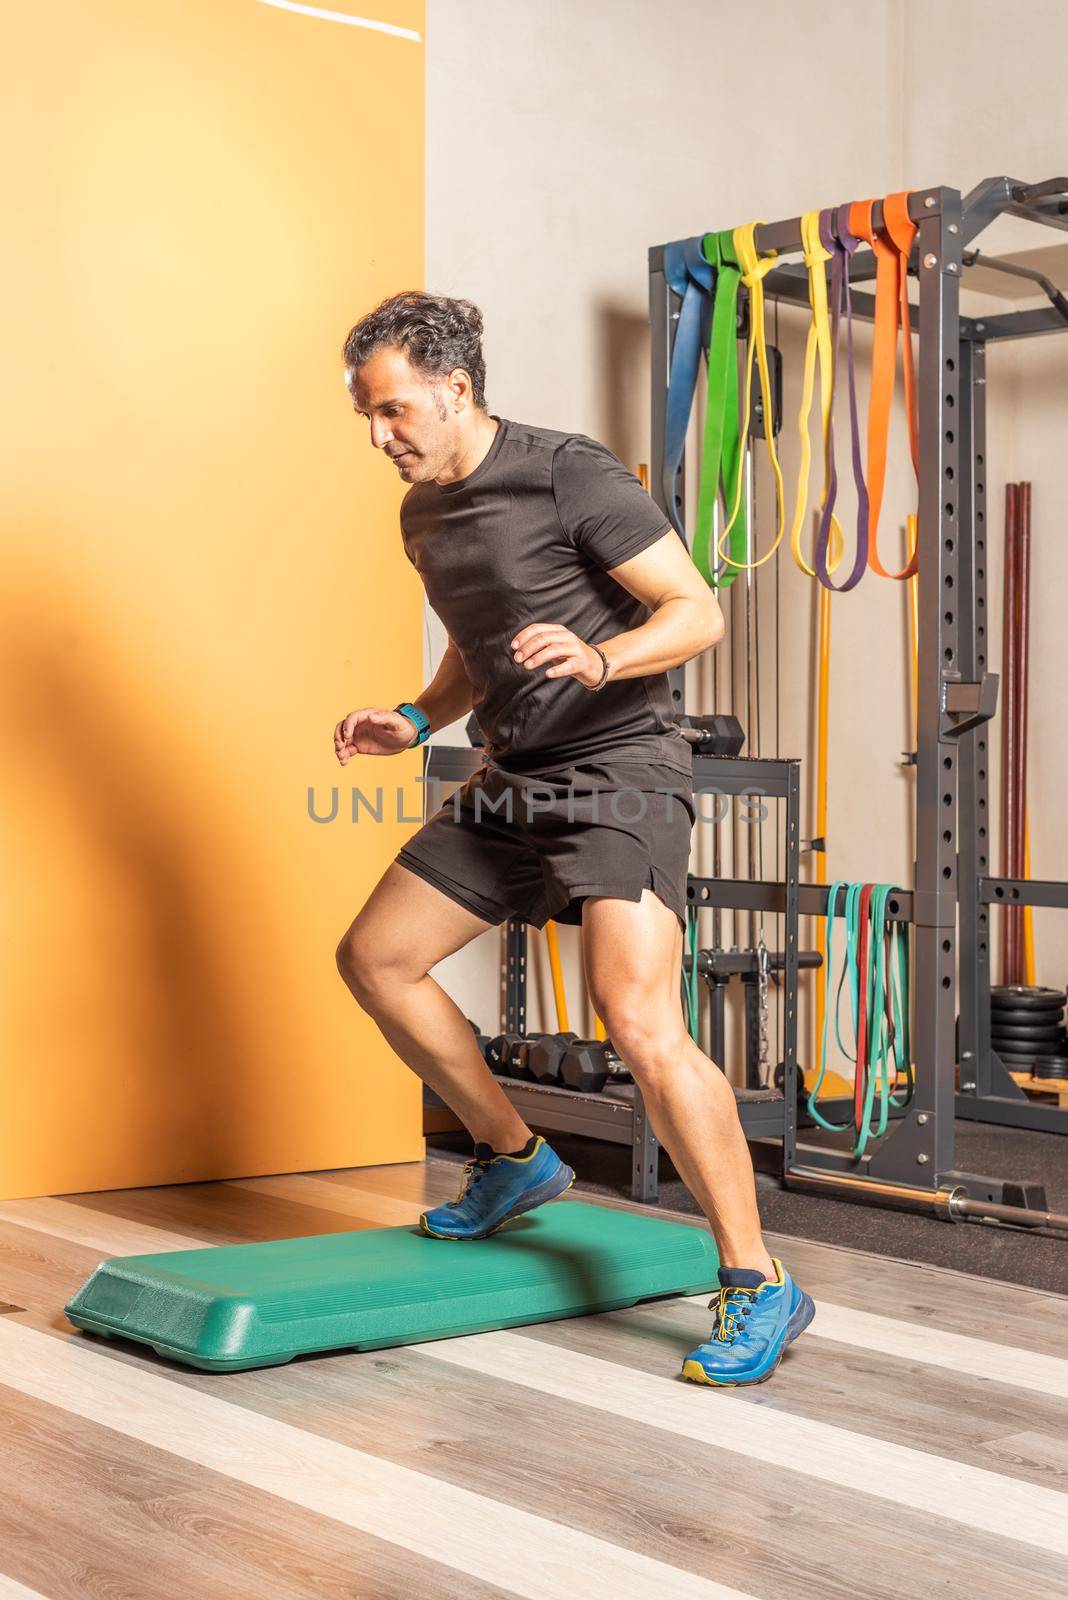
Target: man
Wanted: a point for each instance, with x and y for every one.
(566, 597)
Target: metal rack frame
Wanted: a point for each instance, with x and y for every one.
(956, 694)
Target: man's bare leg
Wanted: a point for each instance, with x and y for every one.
(404, 929)
(632, 952)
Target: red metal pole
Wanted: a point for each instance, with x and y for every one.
(1008, 730)
(1023, 615)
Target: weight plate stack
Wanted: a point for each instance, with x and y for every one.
(1026, 1024)
(1025, 1002)
(1017, 1061)
(1050, 1066)
(1036, 1033)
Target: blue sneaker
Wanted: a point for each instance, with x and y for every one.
(755, 1320)
(496, 1188)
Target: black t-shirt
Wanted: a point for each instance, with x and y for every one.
(529, 536)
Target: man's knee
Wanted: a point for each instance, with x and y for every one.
(368, 966)
(646, 1038)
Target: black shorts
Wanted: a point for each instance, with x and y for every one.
(504, 846)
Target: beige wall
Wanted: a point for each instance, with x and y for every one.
(564, 139)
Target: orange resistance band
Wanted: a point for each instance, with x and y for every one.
(891, 246)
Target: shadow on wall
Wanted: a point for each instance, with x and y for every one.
(622, 378)
(129, 979)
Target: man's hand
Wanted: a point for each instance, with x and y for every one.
(373, 733)
(551, 641)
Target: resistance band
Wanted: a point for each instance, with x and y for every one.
(754, 269)
(690, 979)
(721, 453)
(880, 1003)
(688, 274)
(891, 246)
(911, 531)
(819, 843)
(839, 240)
(557, 972)
(818, 346)
(559, 992)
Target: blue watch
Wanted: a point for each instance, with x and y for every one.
(414, 714)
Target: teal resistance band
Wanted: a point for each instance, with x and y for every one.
(886, 1005)
(691, 989)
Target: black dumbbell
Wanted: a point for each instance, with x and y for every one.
(482, 1039)
(544, 1054)
(589, 1063)
(502, 1054)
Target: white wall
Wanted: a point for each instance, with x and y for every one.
(565, 138)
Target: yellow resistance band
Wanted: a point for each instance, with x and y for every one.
(555, 967)
(823, 655)
(818, 344)
(912, 534)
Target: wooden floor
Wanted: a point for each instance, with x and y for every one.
(913, 1443)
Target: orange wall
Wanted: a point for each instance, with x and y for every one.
(198, 543)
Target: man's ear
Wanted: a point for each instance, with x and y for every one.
(459, 387)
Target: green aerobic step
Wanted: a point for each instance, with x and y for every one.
(257, 1305)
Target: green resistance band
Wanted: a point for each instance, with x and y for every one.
(721, 454)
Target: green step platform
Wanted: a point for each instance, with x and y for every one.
(230, 1307)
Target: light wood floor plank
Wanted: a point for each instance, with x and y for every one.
(82, 1506)
(862, 1383)
(361, 1205)
(684, 1501)
(490, 1539)
(217, 1213)
(958, 1352)
(936, 1297)
(973, 1496)
(901, 1356)
(10, 1590)
(870, 1394)
(81, 1224)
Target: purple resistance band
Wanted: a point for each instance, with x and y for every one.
(836, 236)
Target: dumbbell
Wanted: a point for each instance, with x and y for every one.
(543, 1055)
(482, 1038)
(503, 1055)
(589, 1063)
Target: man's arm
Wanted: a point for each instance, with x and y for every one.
(449, 694)
(686, 615)
(617, 526)
(686, 619)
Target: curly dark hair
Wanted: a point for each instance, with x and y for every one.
(436, 333)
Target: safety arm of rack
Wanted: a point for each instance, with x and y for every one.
(966, 705)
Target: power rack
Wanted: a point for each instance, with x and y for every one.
(957, 695)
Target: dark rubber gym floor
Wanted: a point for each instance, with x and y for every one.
(1020, 1256)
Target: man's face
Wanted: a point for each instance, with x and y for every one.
(409, 415)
